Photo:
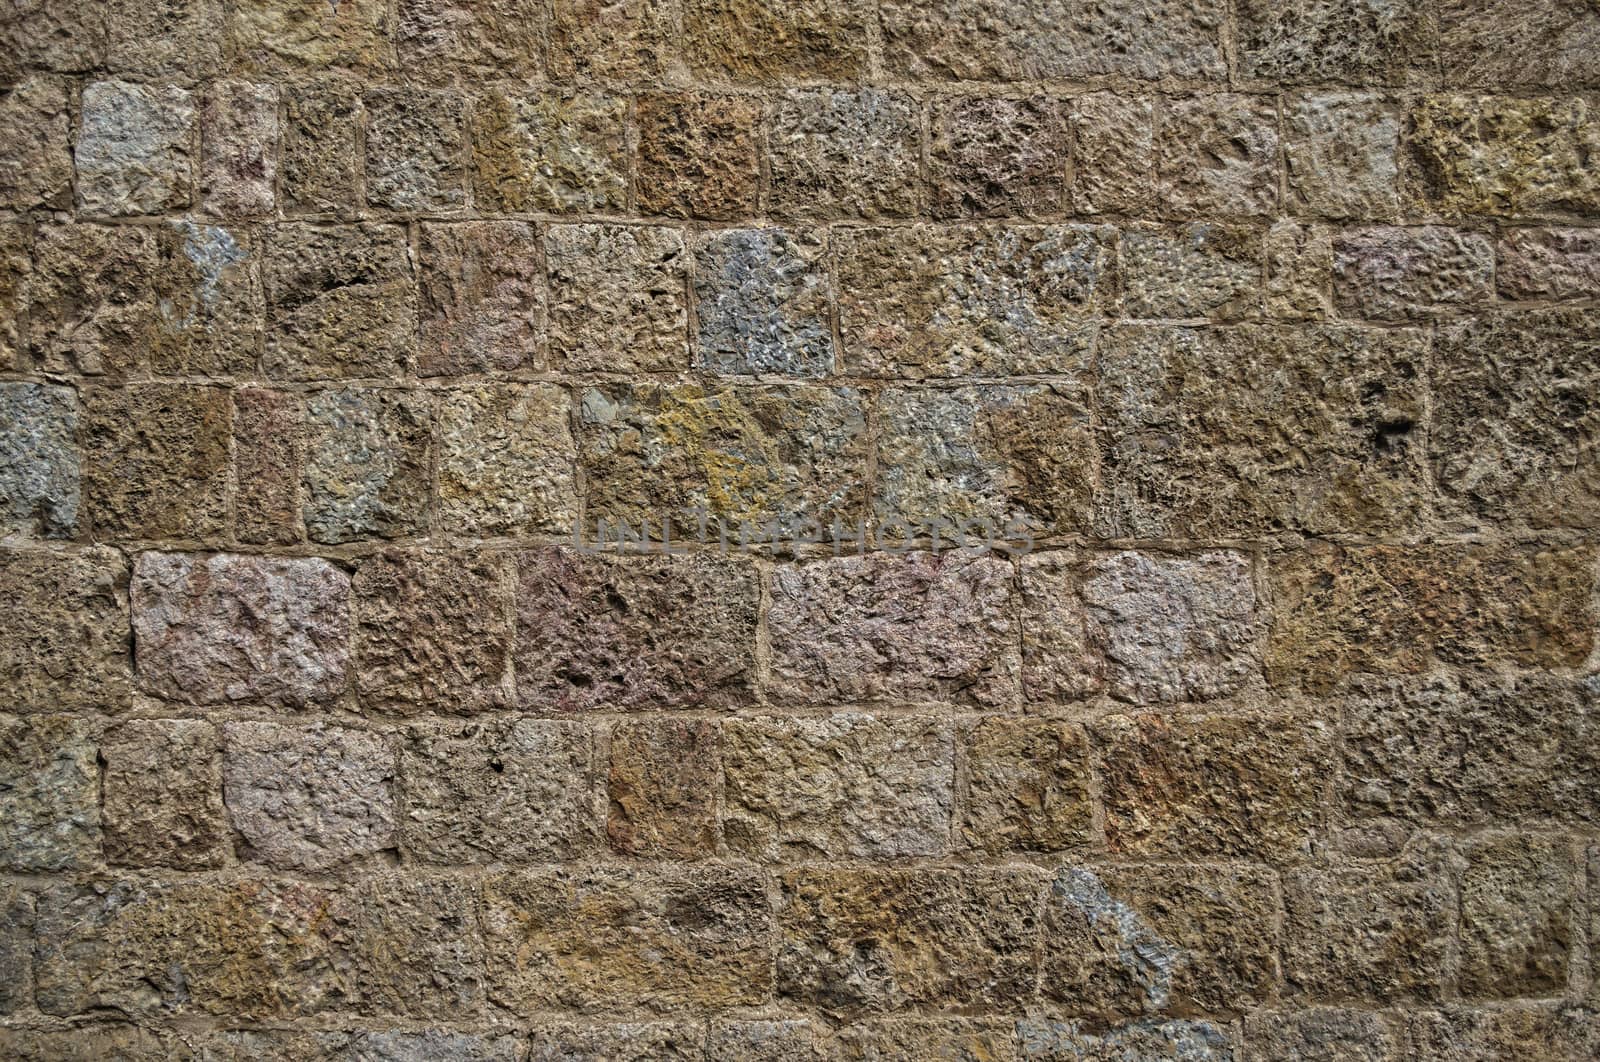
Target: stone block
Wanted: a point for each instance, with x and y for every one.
(1548, 264)
(369, 463)
(66, 36)
(1147, 1038)
(1394, 274)
(1300, 270)
(843, 153)
(16, 262)
(64, 635)
(16, 950)
(340, 302)
(294, 37)
(35, 123)
(762, 302)
(1518, 906)
(1498, 45)
(623, 42)
(698, 154)
(942, 1038)
(618, 296)
(418, 947)
(996, 157)
(438, 42)
(662, 788)
(154, 39)
(777, 41)
(268, 457)
(552, 152)
(482, 298)
(1342, 153)
(88, 295)
(1025, 786)
(49, 795)
(1536, 1030)
(135, 149)
(1372, 42)
(1196, 270)
(506, 460)
(320, 157)
(1113, 153)
(162, 795)
(156, 460)
(1218, 155)
(416, 149)
(39, 467)
(654, 1041)
(1331, 1033)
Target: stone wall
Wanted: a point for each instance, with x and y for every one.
(1263, 333)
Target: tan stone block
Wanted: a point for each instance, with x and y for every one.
(369, 463)
(554, 152)
(64, 634)
(506, 461)
(996, 157)
(1025, 787)
(698, 154)
(35, 123)
(482, 298)
(843, 153)
(340, 302)
(663, 788)
(618, 298)
(162, 795)
(156, 460)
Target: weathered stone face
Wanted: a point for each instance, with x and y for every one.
(758, 41)
(1203, 1041)
(416, 149)
(438, 41)
(268, 456)
(156, 460)
(418, 950)
(1195, 270)
(506, 460)
(627, 42)
(1324, 1032)
(663, 788)
(1517, 899)
(162, 800)
(369, 460)
(37, 169)
(1380, 42)
(628, 1041)
(320, 157)
(1540, 1030)
(1496, 45)
(1389, 273)
(1554, 264)
(761, 298)
(290, 37)
(339, 302)
(1113, 153)
(550, 152)
(1026, 787)
(481, 303)
(998, 157)
(1341, 149)
(698, 154)
(64, 640)
(836, 153)
(617, 298)
(135, 149)
(1218, 155)
(39, 468)
(49, 811)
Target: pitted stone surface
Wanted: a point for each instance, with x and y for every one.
(39, 468)
(135, 149)
(49, 812)
(762, 303)
(369, 459)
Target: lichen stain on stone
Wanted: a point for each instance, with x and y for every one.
(1142, 952)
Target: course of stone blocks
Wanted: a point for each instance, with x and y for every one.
(1267, 331)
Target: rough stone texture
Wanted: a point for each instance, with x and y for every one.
(1389, 273)
(617, 298)
(16, 949)
(629, 1042)
(1323, 1034)
(506, 460)
(1341, 151)
(223, 628)
(551, 152)
(1377, 42)
(39, 467)
(1300, 270)
(761, 299)
(758, 41)
(1025, 786)
(481, 301)
(1517, 902)
(1542, 1031)
(893, 629)
(418, 948)
(940, 1038)
(630, 633)
(1218, 154)
(49, 805)
(1324, 440)
(339, 302)
(1113, 153)
(862, 941)
(239, 136)
(698, 154)
(991, 157)
(1553, 264)
(1498, 45)
(416, 149)
(727, 455)
(1514, 424)
(843, 786)
(34, 122)
(621, 42)
(1194, 270)
(135, 149)
(440, 41)
(64, 635)
(369, 462)
(319, 157)
(1219, 786)
(837, 153)
(1141, 627)
(156, 460)
(16, 253)
(663, 938)
(1150, 1038)
(162, 800)
(268, 454)
(663, 788)
(921, 301)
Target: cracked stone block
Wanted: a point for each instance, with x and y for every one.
(1500, 156)
(268, 455)
(162, 795)
(855, 941)
(839, 153)
(973, 40)
(1517, 903)
(1513, 434)
(662, 788)
(922, 301)
(1372, 42)
(247, 950)
(419, 951)
(222, 628)
(320, 157)
(482, 298)
(369, 463)
(663, 938)
(66, 36)
(35, 123)
(616, 41)
(308, 799)
(618, 297)
(292, 37)
(1026, 787)
(1323, 440)
(731, 456)
(1369, 930)
(633, 633)
(1214, 786)
(506, 460)
(552, 152)
(837, 787)
(992, 458)
(1196, 270)
(432, 632)
(1219, 155)
(438, 41)
(1113, 153)
(1548, 264)
(1142, 627)
(340, 302)
(655, 1041)
(64, 640)
(49, 795)
(135, 149)
(1148, 1038)
(1299, 270)
(762, 302)
(1395, 610)
(1500, 45)
(39, 468)
(498, 791)
(179, 39)
(777, 41)
(1395, 273)
(1323, 1033)
(156, 460)
(698, 154)
(1123, 941)
(998, 157)
(892, 629)
(239, 148)
(1342, 149)
(416, 149)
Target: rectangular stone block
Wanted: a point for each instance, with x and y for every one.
(68, 36)
(506, 460)
(1113, 153)
(88, 298)
(698, 154)
(772, 41)
(1395, 610)
(662, 788)
(64, 635)
(35, 121)
(1341, 150)
(49, 795)
(1025, 786)
(660, 938)
(862, 941)
(1394, 274)
(1513, 434)
(656, 1040)
(1548, 264)
(320, 159)
(340, 302)
(922, 301)
(289, 37)
(763, 303)
(1122, 941)
(1557, 1030)
(499, 792)
(369, 465)
(1039, 1038)
(135, 149)
(616, 41)
(39, 469)
(841, 786)
(481, 298)
(887, 629)
(222, 628)
(432, 631)
(437, 41)
(1329, 1032)
(156, 460)
(1498, 45)
(269, 451)
(1518, 906)
(618, 297)
(1322, 438)
(990, 1039)
(551, 152)
(991, 157)
(239, 139)
(1300, 270)
(1218, 155)
(416, 149)
(634, 633)
(419, 950)
(763, 1041)
(162, 795)
(1373, 42)
(16, 949)
(1226, 787)
(205, 284)
(839, 153)
(1196, 270)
